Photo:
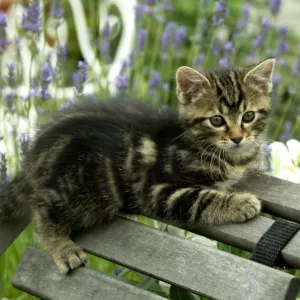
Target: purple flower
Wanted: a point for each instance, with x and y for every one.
(105, 32)
(154, 81)
(296, 68)
(223, 63)
(286, 134)
(173, 34)
(199, 60)
(228, 48)
(167, 36)
(180, 35)
(141, 10)
(141, 37)
(216, 46)
(9, 99)
(11, 76)
(24, 146)
(282, 44)
(68, 104)
(166, 5)
(246, 10)
(79, 78)
(242, 24)
(122, 83)
(221, 11)
(256, 42)
(61, 52)
(57, 12)
(47, 75)
(3, 25)
(3, 169)
(275, 6)
(31, 20)
(105, 50)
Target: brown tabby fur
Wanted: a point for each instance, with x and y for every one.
(98, 159)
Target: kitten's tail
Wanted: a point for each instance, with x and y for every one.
(13, 200)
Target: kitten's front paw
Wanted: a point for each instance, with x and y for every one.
(243, 207)
(70, 258)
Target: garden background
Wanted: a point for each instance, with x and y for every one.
(55, 53)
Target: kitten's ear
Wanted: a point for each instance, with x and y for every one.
(189, 84)
(261, 75)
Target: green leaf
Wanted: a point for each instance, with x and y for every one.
(177, 293)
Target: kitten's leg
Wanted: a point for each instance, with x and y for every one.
(65, 253)
(194, 206)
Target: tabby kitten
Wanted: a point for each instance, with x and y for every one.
(98, 159)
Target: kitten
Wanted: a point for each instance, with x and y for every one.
(98, 159)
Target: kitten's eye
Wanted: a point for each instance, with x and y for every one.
(248, 117)
(217, 121)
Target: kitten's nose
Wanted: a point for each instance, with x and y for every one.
(237, 140)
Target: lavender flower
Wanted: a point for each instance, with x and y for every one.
(141, 37)
(223, 63)
(31, 20)
(199, 60)
(56, 12)
(154, 81)
(68, 105)
(3, 169)
(79, 78)
(167, 35)
(117, 270)
(11, 76)
(275, 6)
(122, 83)
(9, 99)
(166, 5)
(282, 44)
(228, 49)
(3, 25)
(47, 75)
(141, 10)
(242, 24)
(180, 35)
(24, 146)
(221, 11)
(286, 134)
(216, 46)
(173, 34)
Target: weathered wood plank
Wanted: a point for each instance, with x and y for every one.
(279, 197)
(37, 275)
(199, 269)
(246, 235)
(9, 231)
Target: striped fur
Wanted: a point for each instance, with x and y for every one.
(100, 159)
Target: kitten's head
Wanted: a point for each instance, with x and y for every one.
(226, 108)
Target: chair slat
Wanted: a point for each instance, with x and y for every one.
(279, 197)
(9, 231)
(37, 275)
(246, 235)
(200, 269)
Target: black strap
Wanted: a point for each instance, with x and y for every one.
(268, 248)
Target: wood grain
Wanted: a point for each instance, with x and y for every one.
(200, 269)
(279, 197)
(37, 275)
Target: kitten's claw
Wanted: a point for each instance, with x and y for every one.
(70, 258)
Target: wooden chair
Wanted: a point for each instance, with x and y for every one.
(195, 267)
